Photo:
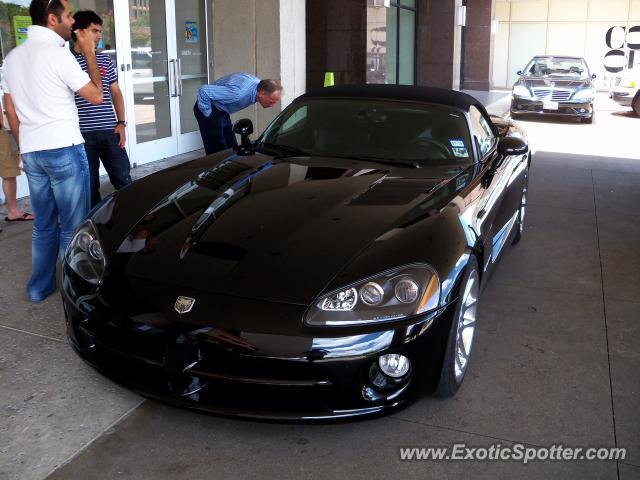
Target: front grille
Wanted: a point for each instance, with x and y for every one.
(182, 351)
(553, 95)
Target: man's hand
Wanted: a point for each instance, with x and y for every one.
(120, 130)
(85, 42)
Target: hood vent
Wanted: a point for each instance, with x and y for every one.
(392, 192)
(222, 175)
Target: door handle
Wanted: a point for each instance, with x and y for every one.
(171, 78)
(179, 77)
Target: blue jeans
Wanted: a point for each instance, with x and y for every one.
(59, 188)
(103, 145)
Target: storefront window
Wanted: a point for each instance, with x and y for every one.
(391, 37)
(14, 20)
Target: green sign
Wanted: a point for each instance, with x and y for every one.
(20, 25)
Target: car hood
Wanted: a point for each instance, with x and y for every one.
(555, 82)
(266, 229)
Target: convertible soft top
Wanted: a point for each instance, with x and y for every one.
(398, 92)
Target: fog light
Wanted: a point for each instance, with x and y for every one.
(394, 365)
(582, 110)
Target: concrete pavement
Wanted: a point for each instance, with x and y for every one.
(556, 362)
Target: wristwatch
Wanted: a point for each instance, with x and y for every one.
(123, 122)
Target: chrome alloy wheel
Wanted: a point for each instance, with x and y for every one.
(466, 325)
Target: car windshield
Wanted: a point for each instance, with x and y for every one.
(556, 66)
(391, 131)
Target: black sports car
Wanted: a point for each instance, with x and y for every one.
(556, 86)
(329, 269)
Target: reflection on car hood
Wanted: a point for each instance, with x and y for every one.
(261, 228)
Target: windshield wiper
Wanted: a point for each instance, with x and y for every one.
(386, 161)
(281, 151)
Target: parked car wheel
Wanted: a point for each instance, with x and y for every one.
(463, 326)
(636, 104)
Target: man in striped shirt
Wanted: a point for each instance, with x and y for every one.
(104, 134)
(225, 96)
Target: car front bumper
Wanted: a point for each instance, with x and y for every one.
(533, 106)
(258, 375)
(623, 96)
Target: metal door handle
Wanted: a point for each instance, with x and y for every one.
(171, 78)
(179, 77)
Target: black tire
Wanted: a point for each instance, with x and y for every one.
(449, 382)
(636, 104)
(522, 210)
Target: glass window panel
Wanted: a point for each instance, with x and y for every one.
(408, 3)
(407, 47)
(500, 56)
(149, 62)
(376, 44)
(482, 134)
(392, 45)
(8, 12)
(192, 56)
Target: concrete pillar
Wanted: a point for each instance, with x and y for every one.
(436, 43)
(477, 45)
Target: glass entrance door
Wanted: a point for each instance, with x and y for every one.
(162, 59)
(190, 67)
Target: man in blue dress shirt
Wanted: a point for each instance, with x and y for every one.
(225, 96)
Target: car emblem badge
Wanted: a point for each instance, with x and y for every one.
(184, 304)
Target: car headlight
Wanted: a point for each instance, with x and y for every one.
(521, 91)
(84, 254)
(585, 94)
(387, 296)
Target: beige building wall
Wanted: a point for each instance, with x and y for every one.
(265, 38)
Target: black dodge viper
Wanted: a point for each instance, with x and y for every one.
(330, 268)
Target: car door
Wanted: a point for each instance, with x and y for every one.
(500, 178)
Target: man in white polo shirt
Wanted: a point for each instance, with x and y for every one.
(39, 79)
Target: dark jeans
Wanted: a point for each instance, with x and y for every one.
(216, 130)
(103, 145)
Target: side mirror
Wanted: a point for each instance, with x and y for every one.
(512, 146)
(244, 128)
(594, 76)
(519, 72)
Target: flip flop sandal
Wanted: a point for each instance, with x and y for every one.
(23, 218)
